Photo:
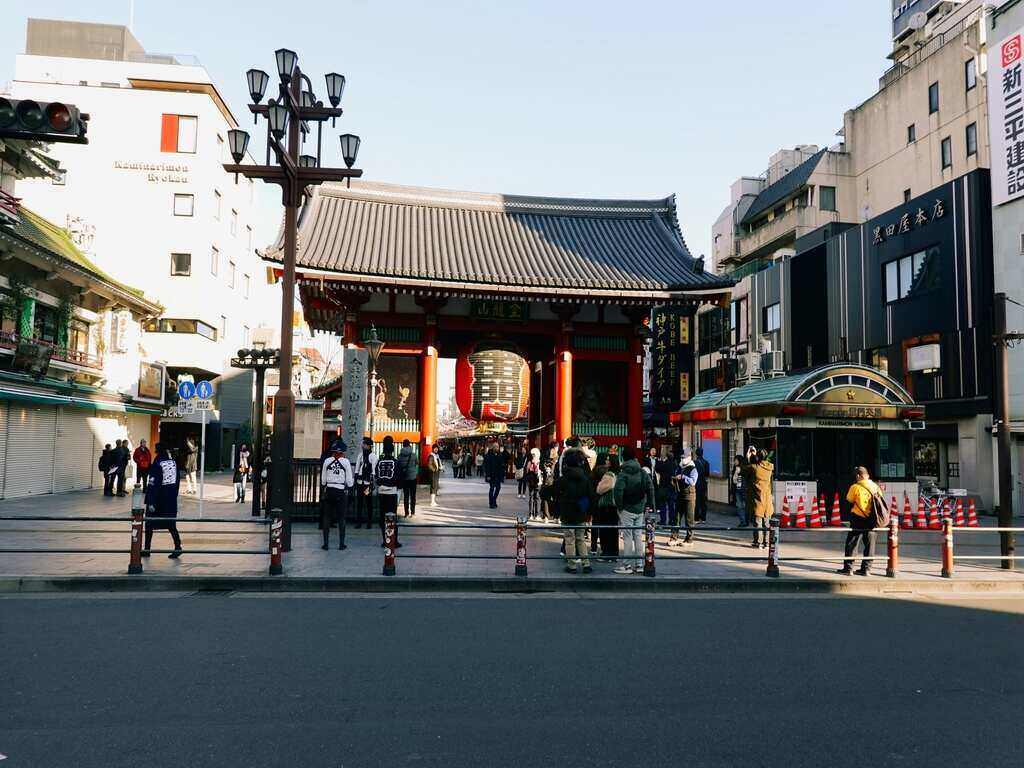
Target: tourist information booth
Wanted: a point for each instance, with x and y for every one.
(544, 302)
(816, 425)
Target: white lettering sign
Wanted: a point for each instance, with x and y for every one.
(173, 173)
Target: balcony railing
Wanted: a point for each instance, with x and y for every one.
(795, 221)
(600, 429)
(9, 340)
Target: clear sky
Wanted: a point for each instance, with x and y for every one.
(547, 97)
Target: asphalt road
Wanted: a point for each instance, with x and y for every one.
(217, 680)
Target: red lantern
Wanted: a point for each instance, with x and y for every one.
(492, 383)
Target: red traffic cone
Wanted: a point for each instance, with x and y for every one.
(815, 521)
(837, 516)
(972, 515)
(894, 507)
(934, 521)
(801, 517)
(906, 519)
(786, 519)
(921, 521)
(958, 519)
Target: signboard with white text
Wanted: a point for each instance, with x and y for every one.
(1006, 118)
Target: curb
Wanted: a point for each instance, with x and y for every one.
(510, 585)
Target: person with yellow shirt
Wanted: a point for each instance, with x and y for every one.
(862, 522)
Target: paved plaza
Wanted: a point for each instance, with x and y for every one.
(440, 549)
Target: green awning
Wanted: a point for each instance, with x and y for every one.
(46, 398)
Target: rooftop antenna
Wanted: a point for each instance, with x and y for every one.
(131, 16)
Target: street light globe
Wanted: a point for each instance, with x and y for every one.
(277, 115)
(286, 60)
(257, 80)
(238, 141)
(307, 161)
(335, 87)
(349, 148)
(374, 346)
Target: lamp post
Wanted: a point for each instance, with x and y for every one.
(291, 113)
(374, 346)
(258, 360)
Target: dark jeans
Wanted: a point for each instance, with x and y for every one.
(861, 530)
(607, 538)
(142, 476)
(108, 483)
(388, 503)
(364, 506)
(161, 526)
(492, 494)
(522, 485)
(409, 497)
(686, 505)
(701, 509)
(335, 508)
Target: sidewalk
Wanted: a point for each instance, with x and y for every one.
(426, 553)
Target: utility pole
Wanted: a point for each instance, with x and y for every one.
(1002, 339)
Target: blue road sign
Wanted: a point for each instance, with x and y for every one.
(204, 390)
(186, 390)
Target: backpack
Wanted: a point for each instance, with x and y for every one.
(387, 469)
(636, 494)
(879, 511)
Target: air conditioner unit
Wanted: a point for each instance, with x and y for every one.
(748, 366)
(773, 364)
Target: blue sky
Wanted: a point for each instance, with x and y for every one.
(547, 97)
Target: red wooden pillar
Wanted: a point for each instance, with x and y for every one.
(635, 392)
(428, 393)
(563, 387)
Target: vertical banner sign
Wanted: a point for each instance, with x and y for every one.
(1006, 118)
(353, 394)
(671, 358)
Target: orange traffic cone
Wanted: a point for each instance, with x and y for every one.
(906, 520)
(801, 517)
(921, 521)
(972, 515)
(958, 519)
(837, 516)
(894, 507)
(815, 521)
(934, 523)
(787, 519)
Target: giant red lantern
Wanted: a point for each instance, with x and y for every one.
(492, 383)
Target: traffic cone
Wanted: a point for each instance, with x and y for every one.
(921, 521)
(815, 521)
(972, 515)
(837, 516)
(934, 522)
(801, 517)
(958, 519)
(894, 507)
(786, 519)
(906, 520)
(947, 509)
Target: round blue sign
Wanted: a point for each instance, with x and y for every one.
(186, 390)
(204, 390)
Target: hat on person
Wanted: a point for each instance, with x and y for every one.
(338, 446)
(687, 457)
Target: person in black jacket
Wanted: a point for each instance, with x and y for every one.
(107, 466)
(123, 457)
(574, 505)
(495, 464)
(703, 471)
(162, 500)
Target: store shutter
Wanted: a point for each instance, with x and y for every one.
(75, 467)
(31, 438)
(106, 430)
(3, 443)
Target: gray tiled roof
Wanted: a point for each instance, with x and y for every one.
(783, 188)
(415, 234)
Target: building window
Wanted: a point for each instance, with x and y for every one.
(248, 238)
(246, 283)
(184, 205)
(971, 74)
(911, 133)
(772, 317)
(947, 153)
(214, 260)
(234, 222)
(178, 133)
(713, 331)
(223, 327)
(906, 195)
(231, 274)
(181, 264)
(912, 274)
(45, 324)
(738, 321)
(972, 139)
(779, 211)
(177, 325)
(827, 198)
(933, 98)
(216, 205)
(879, 359)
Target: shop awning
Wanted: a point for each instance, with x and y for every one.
(48, 398)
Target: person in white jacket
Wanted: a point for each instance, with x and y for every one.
(337, 479)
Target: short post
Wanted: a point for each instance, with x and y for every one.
(138, 511)
(520, 545)
(648, 545)
(390, 526)
(894, 548)
(773, 549)
(276, 530)
(947, 548)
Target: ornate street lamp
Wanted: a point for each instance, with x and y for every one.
(374, 346)
(294, 107)
(258, 360)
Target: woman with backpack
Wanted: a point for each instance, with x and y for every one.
(606, 516)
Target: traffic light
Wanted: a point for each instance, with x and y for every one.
(49, 122)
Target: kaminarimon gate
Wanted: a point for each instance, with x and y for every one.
(566, 285)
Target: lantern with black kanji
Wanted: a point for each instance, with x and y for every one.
(492, 383)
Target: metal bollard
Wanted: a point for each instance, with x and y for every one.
(390, 528)
(520, 545)
(894, 548)
(276, 530)
(773, 548)
(138, 511)
(648, 545)
(947, 548)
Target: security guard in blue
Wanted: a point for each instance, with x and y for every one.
(337, 479)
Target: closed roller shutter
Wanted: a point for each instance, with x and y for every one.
(3, 443)
(106, 430)
(31, 438)
(75, 468)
